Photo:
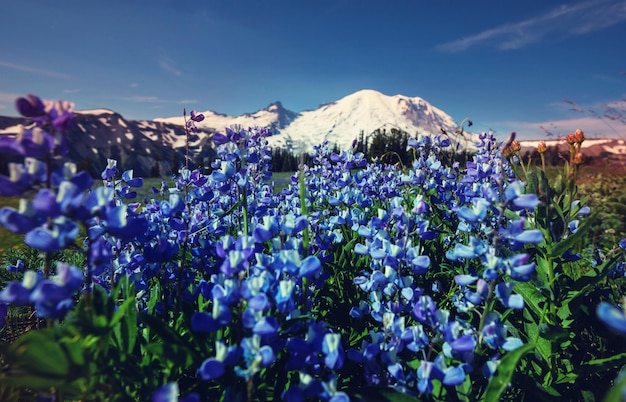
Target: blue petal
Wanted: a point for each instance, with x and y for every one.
(464, 343)
(612, 316)
(464, 280)
(454, 376)
(167, 393)
(267, 355)
(526, 201)
(211, 369)
(266, 326)
(203, 322)
(467, 215)
(530, 237)
(310, 267)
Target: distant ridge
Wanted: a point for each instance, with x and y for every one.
(339, 121)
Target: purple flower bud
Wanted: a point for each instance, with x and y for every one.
(197, 117)
(30, 106)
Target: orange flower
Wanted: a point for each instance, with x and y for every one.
(578, 158)
(571, 139)
(542, 147)
(579, 136)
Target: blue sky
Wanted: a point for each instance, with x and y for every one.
(506, 65)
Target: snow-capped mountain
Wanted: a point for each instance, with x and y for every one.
(150, 148)
(274, 116)
(342, 121)
(157, 147)
(339, 122)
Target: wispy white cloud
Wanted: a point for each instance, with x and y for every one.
(37, 71)
(567, 20)
(144, 99)
(133, 85)
(8, 97)
(168, 65)
(157, 100)
(593, 127)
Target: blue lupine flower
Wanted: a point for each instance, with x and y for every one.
(18, 267)
(110, 171)
(61, 233)
(255, 356)
(17, 182)
(215, 367)
(494, 334)
(266, 326)
(310, 267)
(612, 316)
(415, 338)
(19, 293)
(477, 213)
(333, 351)
(170, 393)
(30, 106)
(52, 297)
(504, 292)
(426, 372)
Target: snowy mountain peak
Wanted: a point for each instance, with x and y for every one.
(364, 111)
(338, 122)
(94, 111)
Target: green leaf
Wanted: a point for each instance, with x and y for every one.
(532, 297)
(504, 373)
(124, 324)
(552, 332)
(464, 391)
(177, 354)
(39, 353)
(543, 346)
(614, 360)
(76, 388)
(160, 328)
(74, 349)
(617, 390)
(570, 240)
(586, 283)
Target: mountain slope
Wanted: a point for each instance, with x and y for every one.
(150, 148)
(342, 121)
(158, 146)
(274, 116)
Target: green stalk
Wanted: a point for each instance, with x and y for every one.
(244, 209)
(305, 233)
(303, 211)
(483, 316)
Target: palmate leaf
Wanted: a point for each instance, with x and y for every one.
(504, 373)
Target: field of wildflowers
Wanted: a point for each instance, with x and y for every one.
(358, 281)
